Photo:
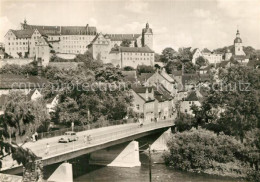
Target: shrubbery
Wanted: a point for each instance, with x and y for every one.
(201, 150)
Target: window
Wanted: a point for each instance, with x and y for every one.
(190, 102)
(137, 106)
(186, 110)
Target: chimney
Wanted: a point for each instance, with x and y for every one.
(39, 66)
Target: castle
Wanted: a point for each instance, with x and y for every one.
(40, 41)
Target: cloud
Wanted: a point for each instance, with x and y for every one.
(136, 6)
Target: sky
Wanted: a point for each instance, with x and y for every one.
(175, 23)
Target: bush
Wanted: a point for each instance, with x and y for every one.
(200, 150)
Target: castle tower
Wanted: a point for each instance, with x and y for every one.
(147, 36)
(238, 45)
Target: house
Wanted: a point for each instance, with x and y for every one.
(20, 83)
(34, 94)
(144, 102)
(160, 77)
(164, 105)
(52, 103)
(186, 103)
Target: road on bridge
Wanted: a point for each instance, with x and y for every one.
(98, 136)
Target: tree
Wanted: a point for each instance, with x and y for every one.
(184, 54)
(168, 54)
(21, 118)
(145, 69)
(125, 43)
(201, 61)
(128, 68)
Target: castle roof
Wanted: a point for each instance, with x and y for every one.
(121, 37)
(145, 49)
(23, 33)
(62, 30)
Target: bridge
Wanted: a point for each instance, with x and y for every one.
(101, 138)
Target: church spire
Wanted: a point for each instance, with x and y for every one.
(238, 34)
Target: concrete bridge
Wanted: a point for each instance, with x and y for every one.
(127, 155)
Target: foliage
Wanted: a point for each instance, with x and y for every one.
(21, 118)
(128, 68)
(30, 69)
(125, 43)
(199, 150)
(168, 54)
(145, 69)
(201, 61)
(184, 54)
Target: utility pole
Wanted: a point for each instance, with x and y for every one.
(150, 165)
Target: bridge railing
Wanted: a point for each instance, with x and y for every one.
(100, 138)
(61, 132)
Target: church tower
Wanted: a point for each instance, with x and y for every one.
(147, 36)
(238, 45)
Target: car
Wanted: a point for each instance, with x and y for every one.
(69, 136)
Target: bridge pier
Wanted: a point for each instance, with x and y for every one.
(122, 155)
(62, 174)
(160, 144)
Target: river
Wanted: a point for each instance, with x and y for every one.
(160, 173)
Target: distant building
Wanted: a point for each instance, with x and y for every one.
(211, 57)
(52, 103)
(22, 83)
(144, 102)
(186, 103)
(107, 47)
(34, 94)
(239, 56)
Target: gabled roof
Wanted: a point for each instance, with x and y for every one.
(144, 76)
(12, 81)
(167, 77)
(121, 37)
(50, 100)
(145, 49)
(23, 33)
(30, 94)
(194, 50)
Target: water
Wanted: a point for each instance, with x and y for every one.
(160, 173)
